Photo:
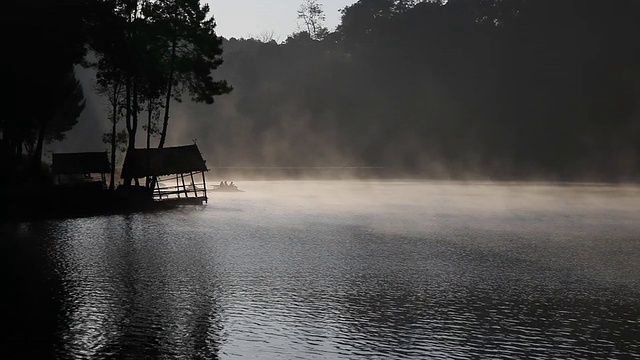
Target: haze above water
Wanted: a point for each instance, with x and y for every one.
(321, 269)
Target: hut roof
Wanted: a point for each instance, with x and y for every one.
(81, 163)
(141, 163)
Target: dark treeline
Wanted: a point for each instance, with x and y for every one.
(501, 89)
(145, 55)
(42, 98)
(150, 53)
(504, 89)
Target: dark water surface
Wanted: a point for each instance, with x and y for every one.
(335, 270)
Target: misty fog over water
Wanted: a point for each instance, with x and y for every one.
(341, 269)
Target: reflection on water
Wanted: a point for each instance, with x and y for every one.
(343, 270)
(133, 290)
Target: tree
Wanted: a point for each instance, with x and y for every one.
(111, 86)
(108, 40)
(59, 32)
(266, 37)
(59, 112)
(192, 52)
(363, 19)
(313, 17)
(156, 50)
(505, 89)
(123, 40)
(118, 141)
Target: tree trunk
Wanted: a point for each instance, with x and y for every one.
(37, 154)
(163, 135)
(134, 122)
(133, 129)
(112, 183)
(130, 81)
(127, 180)
(14, 143)
(19, 147)
(149, 116)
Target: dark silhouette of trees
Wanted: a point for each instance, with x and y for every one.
(57, 113)
(154, 51)
(464, 88)
(312, 15)
(108, 40)
(493, 88)
(192, 51)
(44, 98)
(111, 86)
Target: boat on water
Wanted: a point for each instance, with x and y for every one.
(224, 187)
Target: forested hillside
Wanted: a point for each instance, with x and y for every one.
(500, 89)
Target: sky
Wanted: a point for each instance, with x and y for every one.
(249, 18)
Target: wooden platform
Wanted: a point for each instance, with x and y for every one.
(184, 201)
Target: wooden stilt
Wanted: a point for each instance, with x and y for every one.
(184, 187)
(204, 183)
(195, 189)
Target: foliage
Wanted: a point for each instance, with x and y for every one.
(70, 103)
(312, 15)
(122, 139)
(497, 89)
(155, 50)
(41, 74)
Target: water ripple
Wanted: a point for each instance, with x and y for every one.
(264, 278)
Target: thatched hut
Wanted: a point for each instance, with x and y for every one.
(172, 170)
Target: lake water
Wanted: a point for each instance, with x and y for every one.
(335, 270)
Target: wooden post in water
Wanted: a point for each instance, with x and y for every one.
(195, 189)
(204, 183)
(178, 186)
(184, 187)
